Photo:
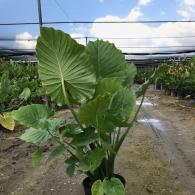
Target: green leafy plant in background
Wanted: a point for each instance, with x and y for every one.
(22, 85)
(5, 120)
(143, 74)
(179, 78)
(95, 82)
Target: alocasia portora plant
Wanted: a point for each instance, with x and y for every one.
(95, 82)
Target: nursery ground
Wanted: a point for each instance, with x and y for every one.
(158, 156)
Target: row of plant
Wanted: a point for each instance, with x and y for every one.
(19, 85)
(98, 80)
(143, 74)
(178, 79)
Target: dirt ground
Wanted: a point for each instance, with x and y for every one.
(158, 156)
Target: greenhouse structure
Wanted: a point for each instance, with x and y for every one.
(97, 97)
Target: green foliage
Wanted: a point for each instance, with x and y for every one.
(122, 106)
(179, 78)
(109, 187)
(109, 86)
(92, 160)
(56, 153)
(38, 118)
(113, 187)
(4, 87)
(19, 85)
(109, 62)
(36, 136)
(33, 115)
(98, 79)
(70, 130)
(94, 112)
(143, 74)
(37, 157)
(71, 165)
(25, 95)
(85, 138)
(66, 73)
(97, 188)
(143, 88)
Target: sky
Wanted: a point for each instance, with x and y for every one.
(102, 10)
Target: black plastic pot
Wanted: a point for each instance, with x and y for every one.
(87, 183)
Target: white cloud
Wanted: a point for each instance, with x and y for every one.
(101, 1)
(79, 37)
(27, 43)
(189, 2)
(187, 9)
(135, 14)
(137, 30)
(144, 2)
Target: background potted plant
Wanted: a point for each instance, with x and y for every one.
(95, 82)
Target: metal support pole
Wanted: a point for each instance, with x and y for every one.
(86, 40)
(40, 13)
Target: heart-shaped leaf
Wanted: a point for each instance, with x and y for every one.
(109, 62)
(94, 111)
(92, 160)
(7, 122)
(97, 188)
(122, 106)
(113, 187)
(35, 136)
(64, 67)
(34, 115)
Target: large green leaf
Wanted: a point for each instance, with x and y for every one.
(107, 85)
(34, 115)
(92, 160)
(94, 111)
(97, 188)
(56, 153)
(85, 138)
(64, 67)
(71, 165)
(122, 105)
(130, 71)
(70, 130)
(55, 123)
(35, 136)
(113, 187)
(109, 62)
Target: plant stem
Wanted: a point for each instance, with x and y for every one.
(69, 105)
(69, 145)
(113, 139)
(118, 134)
(61, 143)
